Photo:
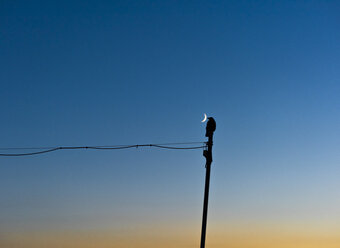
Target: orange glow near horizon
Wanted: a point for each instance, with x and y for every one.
(242, 236)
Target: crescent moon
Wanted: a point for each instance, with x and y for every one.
(205, 118)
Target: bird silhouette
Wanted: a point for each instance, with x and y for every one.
(211, 127)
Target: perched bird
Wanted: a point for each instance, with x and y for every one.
(211, 127)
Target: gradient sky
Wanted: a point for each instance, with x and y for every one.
(132, 72)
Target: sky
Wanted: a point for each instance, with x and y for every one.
(78, 73)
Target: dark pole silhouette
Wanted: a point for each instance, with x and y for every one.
(210, 129)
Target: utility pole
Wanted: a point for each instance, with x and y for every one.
(211, 127)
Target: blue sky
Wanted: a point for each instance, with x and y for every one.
(131, 72)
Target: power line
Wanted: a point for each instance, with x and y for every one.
(115, 147)
(52, 147)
